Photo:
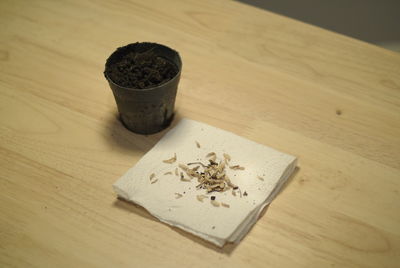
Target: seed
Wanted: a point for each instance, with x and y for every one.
(215, 203)
(154, 181)
(178, 195)
(171, 160)
(168, 173)
(152, 176)
(225, 205)
(260, 178)
(198, 144)
(201, 197)
(227, 157)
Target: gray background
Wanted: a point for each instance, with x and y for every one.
(373, 21)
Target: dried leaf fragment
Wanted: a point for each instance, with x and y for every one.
(171, 160)
(198, 144)
(178, 195)
(215, 203)
(225, 205)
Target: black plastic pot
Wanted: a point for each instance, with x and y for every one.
(149, 110)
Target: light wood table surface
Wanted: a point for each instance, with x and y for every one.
(330, 100)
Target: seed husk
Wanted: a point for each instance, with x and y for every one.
(171, 160)
(210, 154)
(236, 167)
(225, 205)
(215, 203)
(221, 166)
(201, 197)
(197, 163)
(183, 177)
(183, 167)
(227, 157)
(213, 158)
(195, 168)
(198, 144)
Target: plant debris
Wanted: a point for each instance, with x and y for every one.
(171, 160)
(152, 176)
(198, 144)
(260, 178)
(178, 195)
(211, 177)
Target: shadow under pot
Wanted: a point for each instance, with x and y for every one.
(144, 79)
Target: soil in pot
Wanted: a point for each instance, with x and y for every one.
(141, 70)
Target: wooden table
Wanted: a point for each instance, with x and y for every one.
(330, 100)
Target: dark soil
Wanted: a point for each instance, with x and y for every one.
(141, 70)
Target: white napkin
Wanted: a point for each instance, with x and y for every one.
(265, 172)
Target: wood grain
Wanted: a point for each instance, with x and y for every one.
(330, 100)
